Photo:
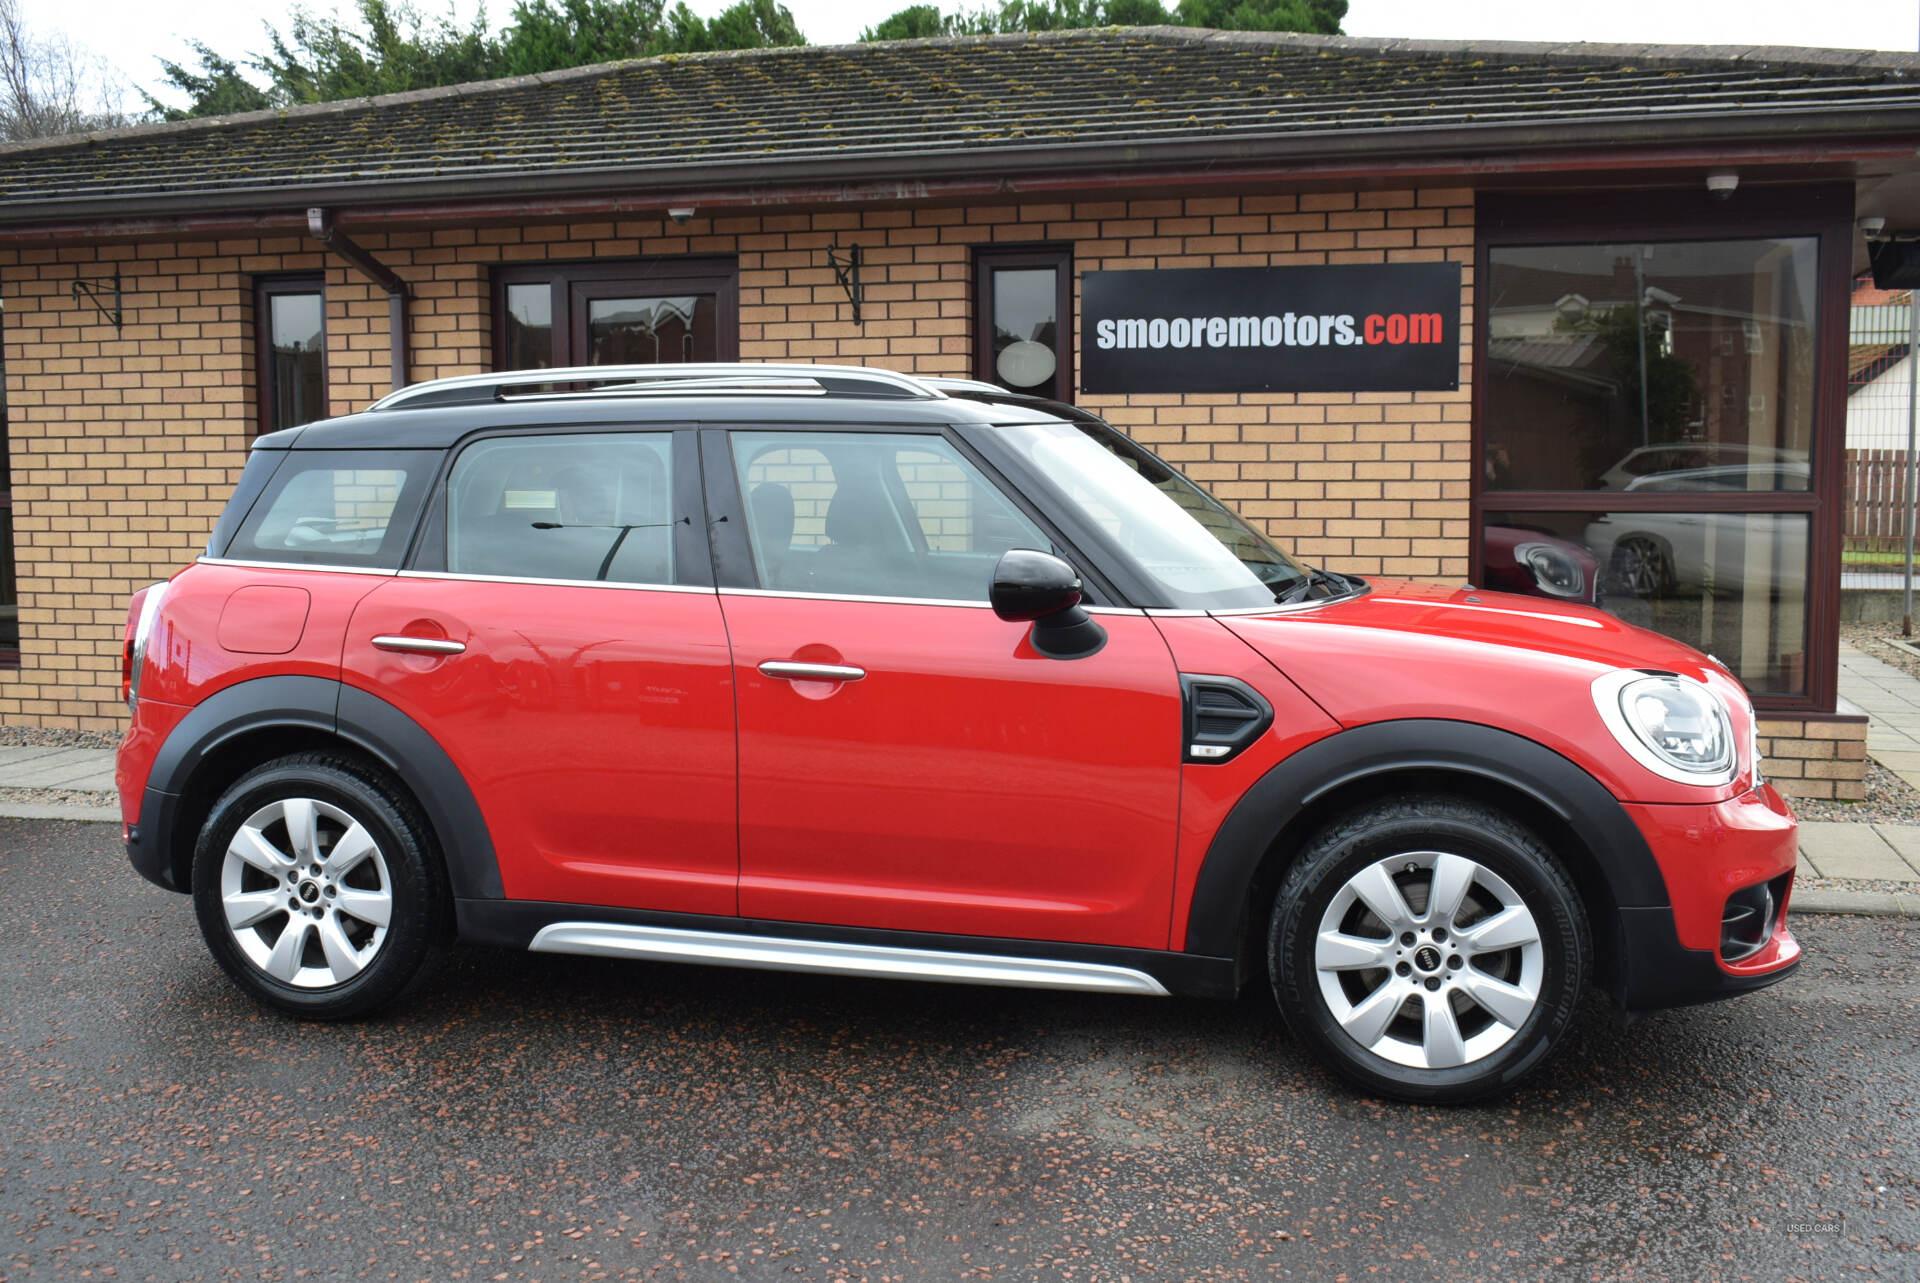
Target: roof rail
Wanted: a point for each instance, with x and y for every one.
(614, 380)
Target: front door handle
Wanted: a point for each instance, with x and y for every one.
(419, 645)
(811, 672)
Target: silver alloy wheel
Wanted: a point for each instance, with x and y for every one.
(1429, 960)
(306, 893)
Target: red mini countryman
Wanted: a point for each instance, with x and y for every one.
(830, 669)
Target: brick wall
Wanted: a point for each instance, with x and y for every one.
(1823, 759)
(124, 445)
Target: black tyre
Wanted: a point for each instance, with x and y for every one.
(317, 888)
(1644, 567)
(1429, 949)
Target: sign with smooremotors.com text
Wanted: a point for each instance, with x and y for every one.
(1372, 327)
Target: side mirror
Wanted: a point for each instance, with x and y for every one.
(1037, 587)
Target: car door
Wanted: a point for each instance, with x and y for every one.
(557, 632)
(907, 759)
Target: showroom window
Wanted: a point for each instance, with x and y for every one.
(290, 323)
(1649, 432)
(663, 311)
(1023, 320)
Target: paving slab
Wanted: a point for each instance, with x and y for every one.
(1905, 840)
(1854, 851)
(1874, 904)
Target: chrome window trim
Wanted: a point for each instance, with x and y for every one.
(327, 567)
(833, 596)
(900, 601)
(553, 583)
(775, 953)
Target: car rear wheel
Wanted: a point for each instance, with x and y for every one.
(1430, 949)
(315, 888)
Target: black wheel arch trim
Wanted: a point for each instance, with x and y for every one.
(334, 708)
(1217, 917)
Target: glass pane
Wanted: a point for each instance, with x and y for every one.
(824, 516)
(1731, 584)
(1676, 366)
(296, 329)
(648, 331)
(327, 508)
(1025, 321)
(1196, 552)
(957, 511)
(589, 507)
(9, 588)
(529, 326)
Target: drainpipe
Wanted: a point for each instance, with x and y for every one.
(320, 223)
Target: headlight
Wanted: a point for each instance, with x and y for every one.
(1676, 728)
(1555, 571)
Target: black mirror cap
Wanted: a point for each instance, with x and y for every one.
(1030, 585)
(1038, 587)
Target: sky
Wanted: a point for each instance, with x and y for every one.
(132, 34)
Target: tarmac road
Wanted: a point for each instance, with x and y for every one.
(525, 1117)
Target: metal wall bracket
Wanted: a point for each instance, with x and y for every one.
(93, 293)
(846, 272)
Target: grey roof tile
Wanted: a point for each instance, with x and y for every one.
(931, 101)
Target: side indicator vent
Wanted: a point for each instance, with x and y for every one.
(1224, 715)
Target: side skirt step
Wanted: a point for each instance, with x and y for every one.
(769, 953)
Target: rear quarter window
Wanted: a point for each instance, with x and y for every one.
(337, 508)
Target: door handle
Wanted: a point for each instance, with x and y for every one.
(419, 645)
(811, 672)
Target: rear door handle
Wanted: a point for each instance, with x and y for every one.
(811, 672)
(419, 645)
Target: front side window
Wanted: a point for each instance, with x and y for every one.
(586, 507)
(874, 515)
(1196, 553)
(291, 335)
(337, 507)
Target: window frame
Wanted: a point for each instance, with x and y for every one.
(573, 284)
(988, 259)
(265, 290)
(1824, 214)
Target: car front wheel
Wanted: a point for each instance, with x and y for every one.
(315, 887)
(1430, 949)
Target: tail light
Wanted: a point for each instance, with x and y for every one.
(142, 609)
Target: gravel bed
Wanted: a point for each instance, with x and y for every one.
(45, 736)
(1890, 800)
(1852, 884)
(58, 797)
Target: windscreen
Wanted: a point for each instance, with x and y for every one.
(1196, 552)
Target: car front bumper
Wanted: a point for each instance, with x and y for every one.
(1714, 858)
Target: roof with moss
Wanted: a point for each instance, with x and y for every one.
(1102, 99)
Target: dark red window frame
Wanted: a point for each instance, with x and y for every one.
(264, 290)
(987, 260)
(573, 284)
(1824, 213)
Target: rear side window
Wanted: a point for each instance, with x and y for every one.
(338, 508)
(584, 507)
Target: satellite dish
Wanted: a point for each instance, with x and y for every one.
(1025, 364)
